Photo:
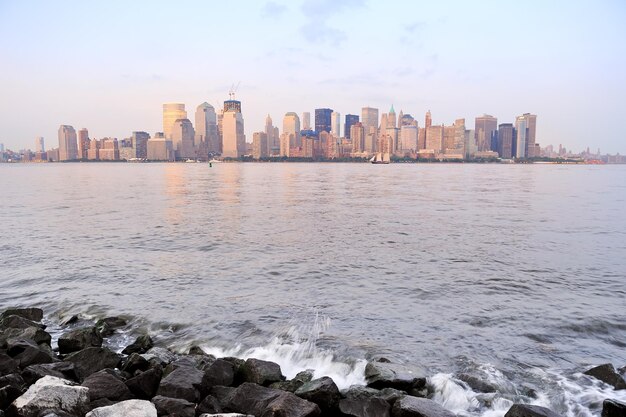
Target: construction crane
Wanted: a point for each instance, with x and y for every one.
(233, 90)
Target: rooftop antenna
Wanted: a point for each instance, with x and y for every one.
(233, 90)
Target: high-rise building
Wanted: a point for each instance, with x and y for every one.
(171, 113)
(1, 147)
(68, 147)
(291, 126)
(428, 120)
(357, 134)
(335, 124)
(139, 142)
(207, 138)
(306, 120)
(273, 137)
(83, 143)
(369, 118)
(532, 149)
(259, 145)
(160, 148)
(109, 149)
(459, 137)
(323, 120)
(182, 139)
(351, 119)
(434, 138)
(521, 136)
(391, 118)
(486, 127)
(93, 153)
(233, 136)
(505, 140)
(39, 145)
(408, 137)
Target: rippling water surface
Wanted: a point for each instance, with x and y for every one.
(516, 273)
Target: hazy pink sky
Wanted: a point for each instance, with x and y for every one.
(109, 66)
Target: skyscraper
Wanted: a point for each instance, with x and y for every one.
(207, 138)
(291, 126)
(273, 139)
(140, 144)
(521, 136)
(323, 120)
(505, 140)
(233, 136)
(306, 120)
(357, 133)
(83, 143)
(259, 145)
(39, 145)
(182, 139)
(171, 113)
(68, 148)
(485, 128)
(391, 118)
(532, 148)
(351, 119)
(369, 118)
(335, 124)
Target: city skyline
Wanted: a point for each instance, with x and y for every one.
(447, 58)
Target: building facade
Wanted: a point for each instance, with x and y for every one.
(68, 145)
(171, 113)
(323, 120)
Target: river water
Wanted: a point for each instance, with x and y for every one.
(513, 273)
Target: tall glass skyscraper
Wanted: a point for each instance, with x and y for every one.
(351, 119)
(323, 120)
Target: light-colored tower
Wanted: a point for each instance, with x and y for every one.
(486, 127)
(391, 118)
(171, 113)
(335, 124)
(207, 138)
(521, 130)
(532, 149)
(369, 118)
(233, 136)
(68, 147)
(39, 145)
(357, 134)
(291, 126)
(306, 120)
(273, 139)
(182, 138)
(259, 145)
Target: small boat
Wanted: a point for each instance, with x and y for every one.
(380, 158)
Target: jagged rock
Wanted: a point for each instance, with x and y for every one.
(35, 334)
(129, 408)
(104, 385)
(197, 350)
(220, 372)
(225, 415)
(107, 326)
(525, 410)
(141, 345)
(63, 370)
(33, 314)
(52, 395)
(18, 322)
(222, 394)
(146, 384)
(359, 392)
(79, 339)
(208, 405)
(160, 355)
(93, 359)
(261, 372)
(250, 398)
(388, 375)
(391, 395)
(184, 383)
(135, 362)
(27, 352)
(418, 407)
(322, 391)
(367, 407)
(174, 406)
(11, 387)
(8, 365)
(293, 384)
(613, 408)
(477, 384)
(607, 373)
(190, 361)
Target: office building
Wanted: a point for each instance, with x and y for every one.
(505, 140)
(306, 120)
(68, 146)
(357, 135)
(207, 137)
(182, 136)
(171, 113)
(39, 145)
(485, 128)
(291, 126)
(259, 145)
(350, 120)
(323, 120)
(159, 148)
(335, 124)
(233, 136)
(521, 136)
(273, 137)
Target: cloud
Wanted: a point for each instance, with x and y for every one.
(318, 12)
(273, 10)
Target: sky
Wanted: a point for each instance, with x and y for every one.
(110, 65)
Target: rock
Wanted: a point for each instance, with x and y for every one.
(63, 370)
(93, 359)
(418, 407)
(104, 385)
(174, 406)
(135, 362)
(36, 334)
(160, 355)
(225, 415)
(250, 398)
(208, 405)
(222, 394)
(141, 345)
(388, 375)
(359, 392)
(607, 373)
(8, 365)
(33, 314)
(107, 326)
(18, 322)
(146, 384)
(184, 383)
(525, 410)
(293, 384)
(129, 408)
(367, 407)
(477, 384)
(322, 391)
(288, 405)
(11, 387)
(190, 361)
(613, 408)
(261, 372)
(197, 350)
(219, 372)
(27, 352)
(52, 394)
(79, 339)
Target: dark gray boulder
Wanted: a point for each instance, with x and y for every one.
(146, 384)
(289, 405)
(135, 362)
(92, 360)
(8, 365)
(11, 387)
(322, 391)
(184, 383)
(293, 384)
(103, 384)
(418, 407)
(477, 384)
(141, 345)
(33, 314)
(209, 405)
(389, 375)
(174, 407)
(222, 394)
(107, 326)
(64, 370)
(159, 355)
(18, 322)
(525, 410)
(250, 398)
(261, 372)
(359, 392)
(220, 372)
(79, 339)
(27, 352)
(35, 334)
(607, 373)
(613, 408)
(367, 407)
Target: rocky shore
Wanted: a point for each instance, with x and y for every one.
(81, 376)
